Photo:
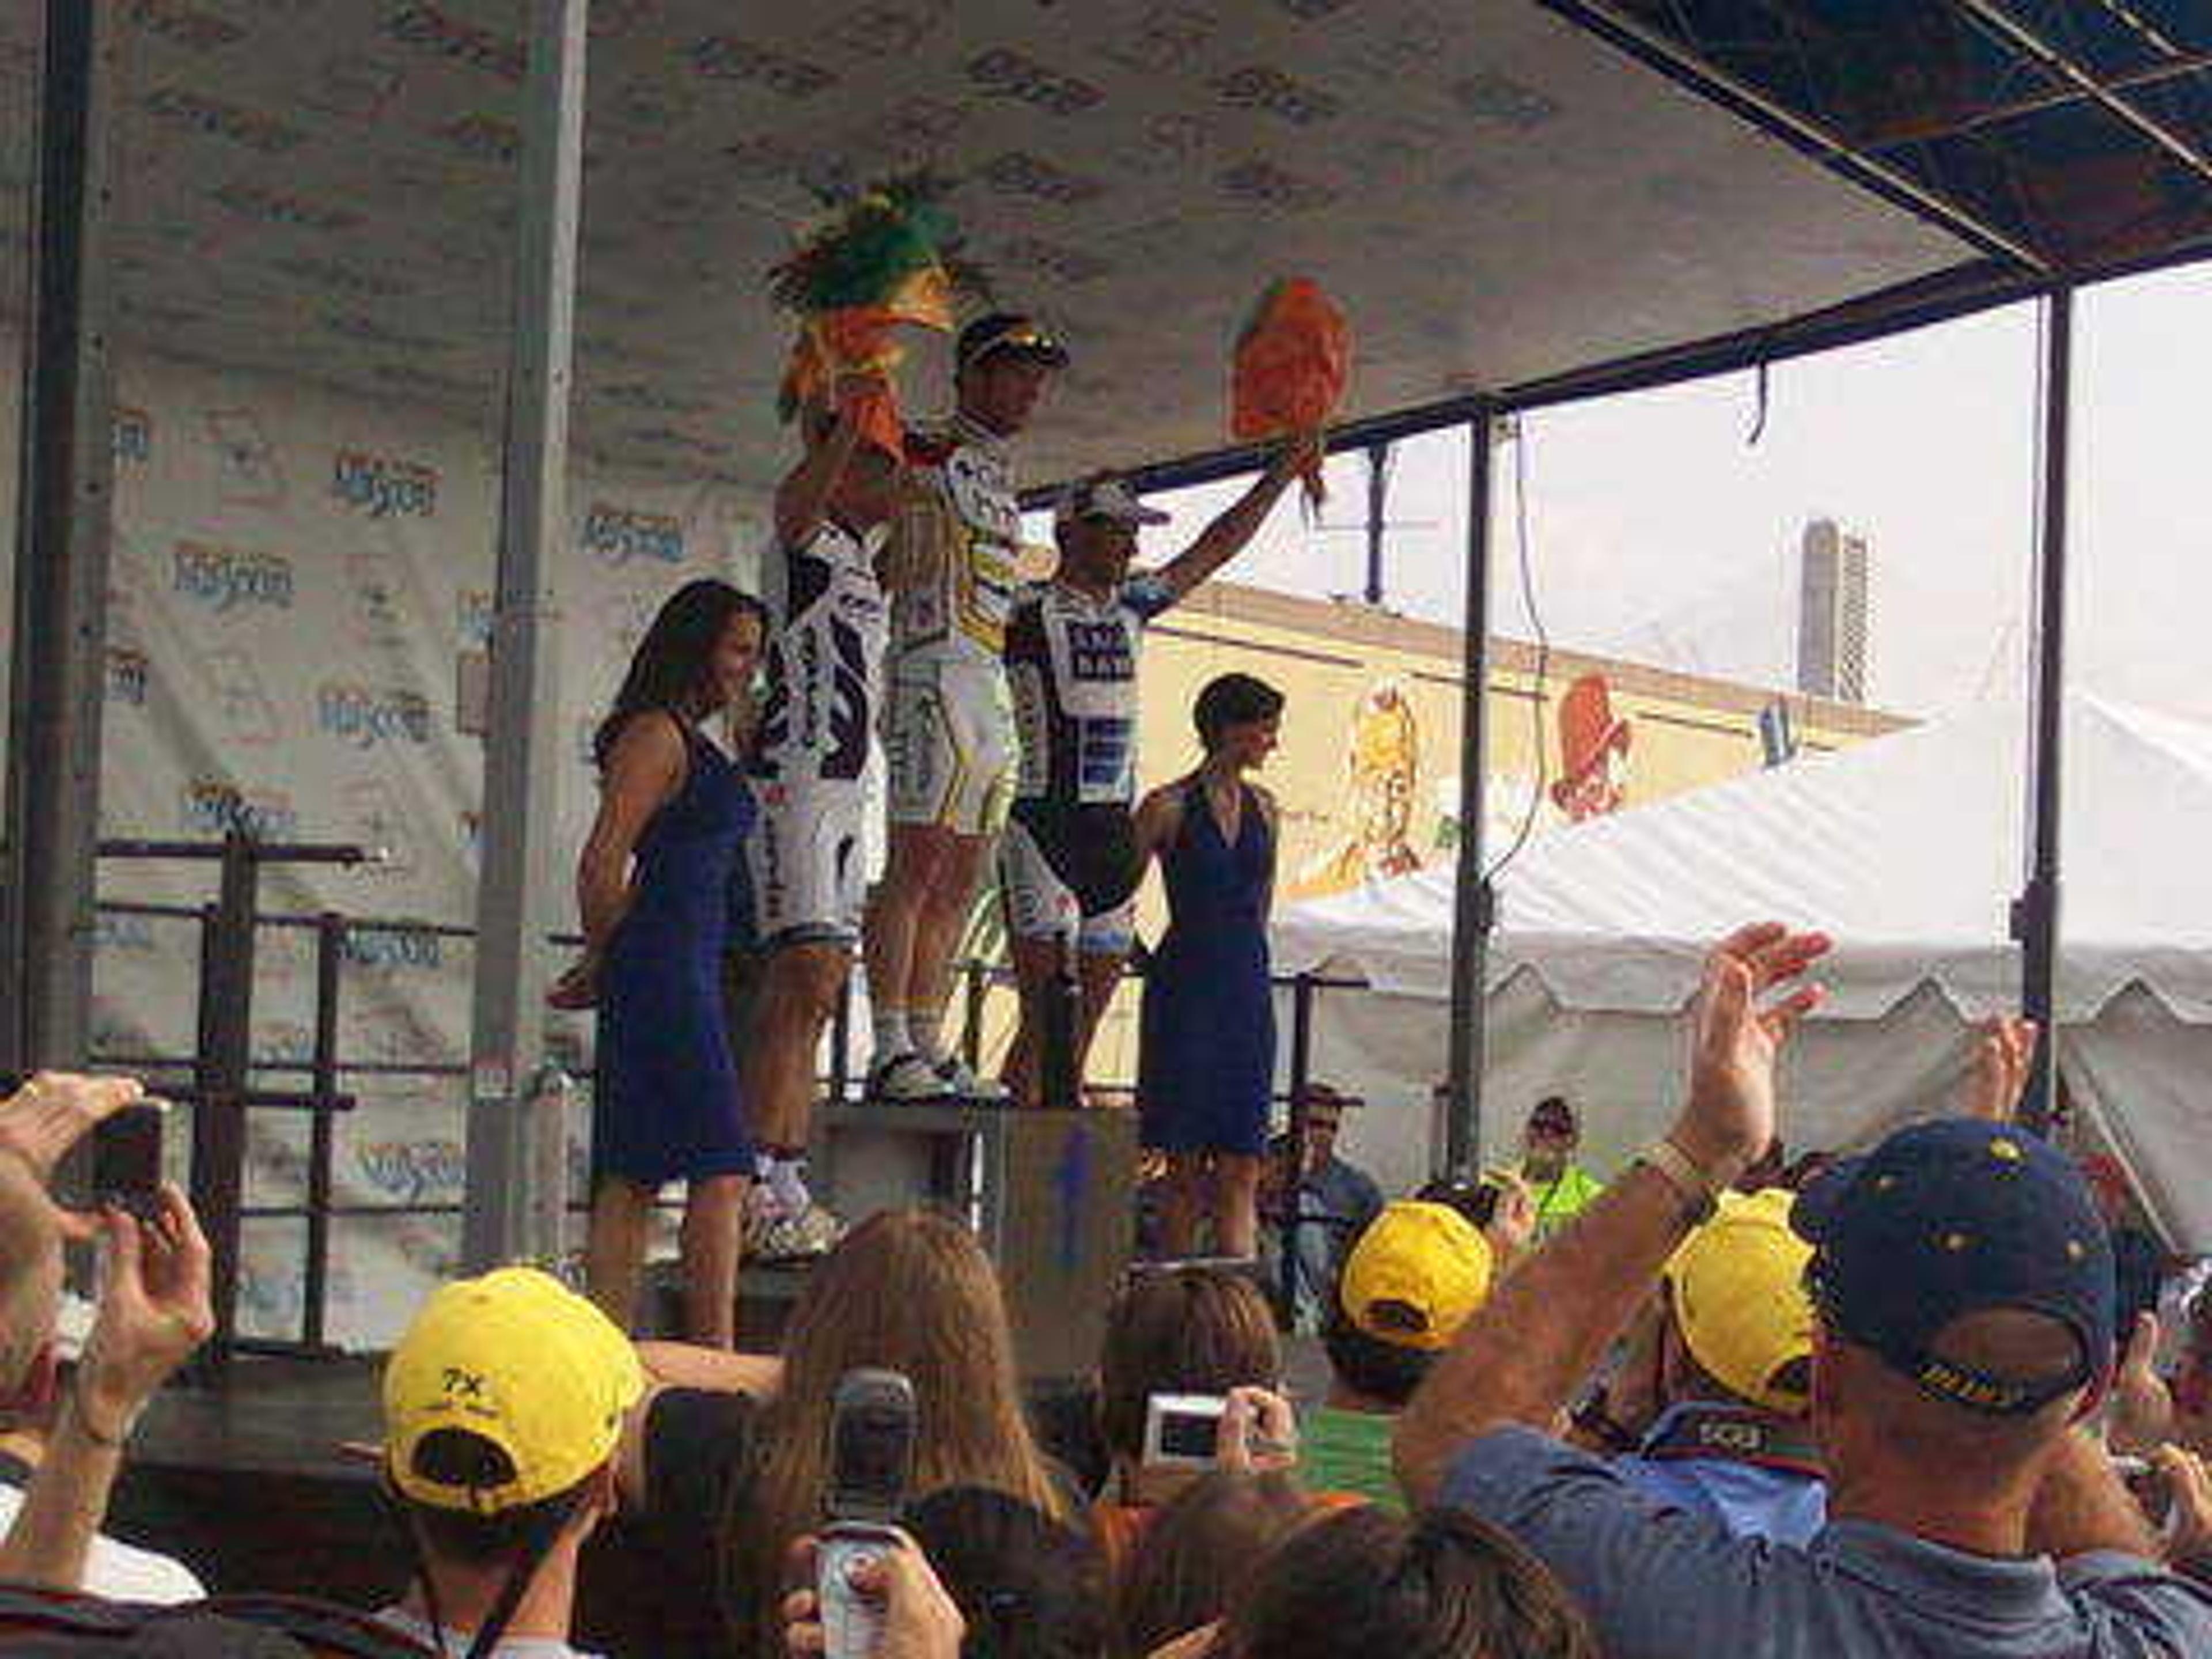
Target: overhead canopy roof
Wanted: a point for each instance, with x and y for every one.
(1501, 193)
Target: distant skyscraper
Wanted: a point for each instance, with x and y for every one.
(1831, 614)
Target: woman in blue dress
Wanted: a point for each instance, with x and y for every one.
(653, 883)
(1206, 1066)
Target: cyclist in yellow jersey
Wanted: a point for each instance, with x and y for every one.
(948, 723)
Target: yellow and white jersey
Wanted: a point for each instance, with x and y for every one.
(963, 519)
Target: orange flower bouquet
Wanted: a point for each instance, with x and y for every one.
(1292, 360)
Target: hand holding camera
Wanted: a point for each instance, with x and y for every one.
(1251, 1429)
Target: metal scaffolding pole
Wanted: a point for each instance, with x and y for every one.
(62, 535)
(1474, 910)
(2036, 916)
(520, 874)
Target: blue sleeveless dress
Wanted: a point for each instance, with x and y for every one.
(1206, 1064)
(667, 1105)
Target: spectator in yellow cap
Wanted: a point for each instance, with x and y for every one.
(1408, 1284)
(503, 1407)
(1734, 1442)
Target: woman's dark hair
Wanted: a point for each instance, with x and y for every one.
(1381, 1370)
(1364, 1582)
(673, 660)
(1029, 1587)
(1232, 700)
(1198, 1553)
(1191, 1330)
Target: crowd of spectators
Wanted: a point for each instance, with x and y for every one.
(1901, 1412)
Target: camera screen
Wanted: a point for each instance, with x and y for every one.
(1190, 1434)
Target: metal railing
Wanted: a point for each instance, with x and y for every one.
(217, 1078)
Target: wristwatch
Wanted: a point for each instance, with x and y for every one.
(1700, 1196)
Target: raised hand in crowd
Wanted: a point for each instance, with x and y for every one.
(918, 1619)
(155, 1309)
(1512, 1225)
(1525, 1354)
(2188, 1490)
(1996, 1077)
(49, 1113)
(1736, 1039)
(1259, 1433)
(2142, 1415)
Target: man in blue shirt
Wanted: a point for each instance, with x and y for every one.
(1736, 1363)
(1963, 1285)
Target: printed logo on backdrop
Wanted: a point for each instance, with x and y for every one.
(212, 117)
(1005, 73)
(230, 580)
(644, 111)
(1263, 183)
(129, 675)
(1495, 100)
(282, 1043)
(1167, 42)
(887, 31)
(1169, 142)
(382, 487)
(334, 277)
(1053, 260)
(369, 717)
(378, 822)
(134, 435)
(724, 57)
(394, 1031)
(247, 471)
(484, 138)
(433, 30)
(379, 614)
(394, 950)
(357, 87)
(620, 534)
(414, 1171)
(123, 935)
(648, 398)
(1257, 87)
(215, 806)
(241, 702)
(275, 207)
(1021, 174)
(186, 25)
(1419, 41)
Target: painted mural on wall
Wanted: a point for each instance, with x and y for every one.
(1594, 749)
(1381, 775)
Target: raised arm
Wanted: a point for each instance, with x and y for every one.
(643, 774)
(1547, 1326)
(803, 498)
(1232, 532)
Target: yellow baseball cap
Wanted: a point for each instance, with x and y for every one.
(1740, 1298)
(1415, 1275)
(521, 1360)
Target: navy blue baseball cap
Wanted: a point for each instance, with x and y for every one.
(1962, 1216)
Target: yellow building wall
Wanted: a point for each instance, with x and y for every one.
(1351, 678)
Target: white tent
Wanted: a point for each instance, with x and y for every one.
(1908, 850)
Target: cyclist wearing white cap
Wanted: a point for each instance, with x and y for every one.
(1068, 864)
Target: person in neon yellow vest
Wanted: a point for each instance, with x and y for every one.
(1562, 1187)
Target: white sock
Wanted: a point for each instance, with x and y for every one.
(892, 1037)
(927, 1026)
(786, 1179)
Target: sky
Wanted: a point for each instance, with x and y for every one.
(1656, 531)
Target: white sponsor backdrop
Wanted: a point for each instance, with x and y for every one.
(295, 575)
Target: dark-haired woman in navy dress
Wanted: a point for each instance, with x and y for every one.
(1207, 1067)
(653, 883)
